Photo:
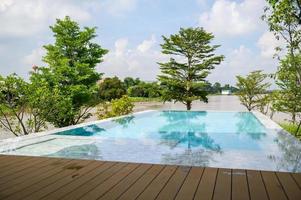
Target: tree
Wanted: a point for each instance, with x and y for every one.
(19, 105)
(71, 73)
(217, 87)
(252, 89)
(130, 82)
(289, 96)
(294, 4)
(116, 107)
(283, 18)
(192, 58)
(111, 88)
(143, 89)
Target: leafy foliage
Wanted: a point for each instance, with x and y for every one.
(252, 89)
(111, 88)
(183, 77)
(289, 95)
(71, 73)
(116, 107)
(143, 89)
(283, 17)
(130, 82)
(20, 105)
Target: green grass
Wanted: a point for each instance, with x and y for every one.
(291, 128)
(145, 99)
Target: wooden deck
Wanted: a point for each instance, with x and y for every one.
(30, 178)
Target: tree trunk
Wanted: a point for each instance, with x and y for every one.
(294, 117)
(298, 128)
(188, 105)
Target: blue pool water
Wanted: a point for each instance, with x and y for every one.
(216, 139)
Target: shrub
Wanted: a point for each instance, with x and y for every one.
(116, 107)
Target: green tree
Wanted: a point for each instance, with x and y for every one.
(143, 89)
(192, 58)
(289, 96)
(295, 7)
(217, 88)
(20, 104)
(283, 18)
(129, 82)
(111, 88)
(252, 89)
(71, 73)
(116, 107)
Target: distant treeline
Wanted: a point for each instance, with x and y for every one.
(114, 88)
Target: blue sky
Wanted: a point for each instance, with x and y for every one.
(132, 30)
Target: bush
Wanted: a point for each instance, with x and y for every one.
(149, 90)
(111, 88)
(117, 107)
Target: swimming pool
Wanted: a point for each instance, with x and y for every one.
(213, 139)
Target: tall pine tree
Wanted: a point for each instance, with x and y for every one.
(191, 59)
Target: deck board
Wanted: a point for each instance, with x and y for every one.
(207, 184)
(191, 183)
(288, 183)
(256, 185)
(273, 186)
(34, 178)
(240, 190)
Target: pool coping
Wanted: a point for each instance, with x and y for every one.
(17, 142)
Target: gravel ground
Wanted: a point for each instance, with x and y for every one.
(219, 103)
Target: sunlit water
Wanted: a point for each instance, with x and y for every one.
(214, 139)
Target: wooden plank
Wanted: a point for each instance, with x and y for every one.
(273, 187)
(291, 188)
(240, 189)
(207, 184)
(110, 183)
(14, 161)
(174, 184)
(27, 176)
(158, 183)
(256, 185)
(297, 178)
(126, 183)
(18, 176)
(20, 168)
(135, 190)
(79, 182)
(223, 185)
(65, 178)
(94, 182)
(27, 183)
(191, 183)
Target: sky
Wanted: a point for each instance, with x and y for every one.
(132, 32)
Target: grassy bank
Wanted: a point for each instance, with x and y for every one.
(291, 128)
(145, 99)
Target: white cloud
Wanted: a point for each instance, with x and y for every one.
(230, 18)
(121, 46)
(147, 44)
(139, 61)
(119, 7)
(24, 18)
(241, 61)
(34, 58)
(267, 44)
